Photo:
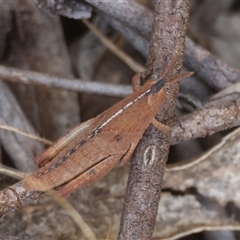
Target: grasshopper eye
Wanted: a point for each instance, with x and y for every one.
(157, 86)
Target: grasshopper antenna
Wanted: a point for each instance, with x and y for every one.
(170, 66)
(180, 77)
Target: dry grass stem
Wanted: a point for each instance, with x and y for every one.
(28, 135)
(201, 229)
(136, 67)
(85, 228)
(12, 172)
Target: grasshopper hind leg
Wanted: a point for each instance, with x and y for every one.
(90, 175)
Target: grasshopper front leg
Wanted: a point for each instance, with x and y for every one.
(136, 82)
(160, 126)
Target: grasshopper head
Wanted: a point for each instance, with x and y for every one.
(156, 96)
(157, 93)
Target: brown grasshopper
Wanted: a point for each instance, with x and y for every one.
(92, 149)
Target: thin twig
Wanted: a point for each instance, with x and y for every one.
(206, 121)
(30, 77)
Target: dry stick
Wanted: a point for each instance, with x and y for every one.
(136, 67)
(131, 13)
(149, 160)
(206, 121)
(211, 69)
(65, 8)
(134, 15)
(27, 77)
